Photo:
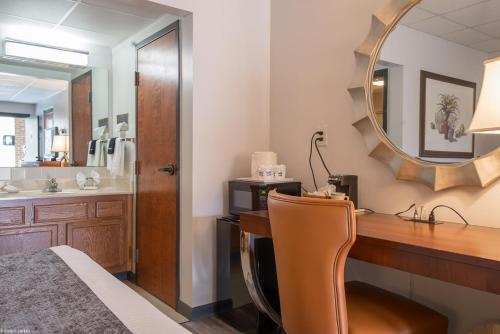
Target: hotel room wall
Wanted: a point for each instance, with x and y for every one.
(101, 101)
(230, 120)
(311, 68)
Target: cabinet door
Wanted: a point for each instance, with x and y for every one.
(103, 241)
(16, 240)
(15, 213)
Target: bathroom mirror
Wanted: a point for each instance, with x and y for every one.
(68, 71)
(422, 68)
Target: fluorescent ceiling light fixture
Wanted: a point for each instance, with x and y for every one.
(379, 83)
(51, 54)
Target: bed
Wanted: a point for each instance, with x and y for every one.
(62, 290)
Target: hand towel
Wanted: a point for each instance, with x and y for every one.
(91, 156)
(117, 162)
(98, 159)
(111, 152)
(111, 146)
(101, 154)
(93, 144)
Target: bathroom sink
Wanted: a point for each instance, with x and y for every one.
(60, 192)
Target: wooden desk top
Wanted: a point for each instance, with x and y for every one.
(472, 245)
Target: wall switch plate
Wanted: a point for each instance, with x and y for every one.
(324, 142)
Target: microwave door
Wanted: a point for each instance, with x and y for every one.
(242, 200)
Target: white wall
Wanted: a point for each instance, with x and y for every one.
(312, 65)
(414, 51)
(230, 120)
(100, 97)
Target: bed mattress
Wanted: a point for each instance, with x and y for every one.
(74, 295)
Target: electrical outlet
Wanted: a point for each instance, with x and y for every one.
(324, 142)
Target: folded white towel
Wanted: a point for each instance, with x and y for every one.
(90, 157)
(100, 132)
(117, 161)
(98, 159)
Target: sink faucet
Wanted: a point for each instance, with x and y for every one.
(52, 186)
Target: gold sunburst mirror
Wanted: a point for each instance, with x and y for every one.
(418, 77)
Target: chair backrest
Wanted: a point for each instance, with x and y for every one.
(311, 238)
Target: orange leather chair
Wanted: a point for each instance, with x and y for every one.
(312, 238)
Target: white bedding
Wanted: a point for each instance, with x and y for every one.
(135, 312)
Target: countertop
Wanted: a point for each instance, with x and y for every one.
(451, 252)
(36, 194)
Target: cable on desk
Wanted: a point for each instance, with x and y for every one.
(400, 213)
(432, 218)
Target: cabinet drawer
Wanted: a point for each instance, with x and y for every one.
(110, 209)
(58, 212)
(12, 216)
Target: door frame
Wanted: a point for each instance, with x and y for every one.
(78, 78)
(385, 74)
(175, 26)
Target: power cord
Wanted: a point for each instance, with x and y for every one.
(317, 133)
(320, 155)
(400, 213)
(432, 217)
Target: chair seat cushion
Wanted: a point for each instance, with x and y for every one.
(376, 311)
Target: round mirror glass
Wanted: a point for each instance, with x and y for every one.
(429, 78)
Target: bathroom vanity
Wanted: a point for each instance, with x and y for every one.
(98, 223)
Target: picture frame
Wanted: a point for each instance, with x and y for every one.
(447, 106)
(9, 140)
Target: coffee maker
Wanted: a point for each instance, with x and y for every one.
(347, 184)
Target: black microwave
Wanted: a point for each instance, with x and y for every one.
(252, 195)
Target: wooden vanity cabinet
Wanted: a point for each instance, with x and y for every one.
(100, 226)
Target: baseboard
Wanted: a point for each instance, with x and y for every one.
(203, 311)
(124, 275)
(132, 277)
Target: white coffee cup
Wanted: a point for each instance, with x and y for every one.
(279, 172)
(266, 172)
(339, 196)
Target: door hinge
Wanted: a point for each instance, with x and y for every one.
(90, 97)
(137, 255)
(136, 168)
(137, 78)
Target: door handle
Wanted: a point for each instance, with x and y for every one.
(170, 169)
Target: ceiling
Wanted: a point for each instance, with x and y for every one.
(473, 23)
(26, 89)
(99, 22)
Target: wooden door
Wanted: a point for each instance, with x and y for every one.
(157, 149)
(81, 117)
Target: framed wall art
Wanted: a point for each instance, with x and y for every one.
(446, 109)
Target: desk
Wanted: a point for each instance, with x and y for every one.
(464, 255)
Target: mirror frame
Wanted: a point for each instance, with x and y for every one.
(479, 172)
